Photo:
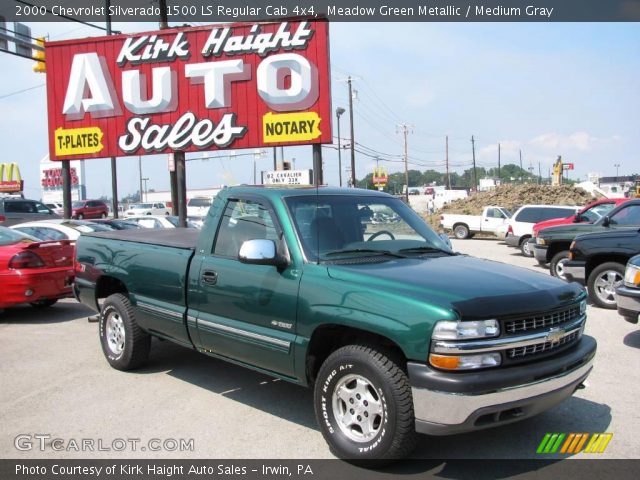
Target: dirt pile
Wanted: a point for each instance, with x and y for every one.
(514, 196)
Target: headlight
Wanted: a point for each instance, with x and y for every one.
(632, 276)
(465, 362)
(457, 330)
(540, 241)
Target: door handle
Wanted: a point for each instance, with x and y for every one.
(209, 277)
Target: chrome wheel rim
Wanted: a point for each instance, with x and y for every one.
(560, 269)
(606, 284)
(526, 248)
(115, 333)
(357, 407)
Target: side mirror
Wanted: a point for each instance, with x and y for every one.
(260, 252)
(577, 218)
(606, 221)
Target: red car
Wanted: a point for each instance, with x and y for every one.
(89, 209)
(34, 272)
(589, 214)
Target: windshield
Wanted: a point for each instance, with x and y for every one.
(77, 204)
(141, 205)
(11, 237)
(338, 226)
(199, 202)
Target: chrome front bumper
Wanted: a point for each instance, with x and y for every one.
(575, 271)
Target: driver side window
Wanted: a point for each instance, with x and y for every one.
(243, 220)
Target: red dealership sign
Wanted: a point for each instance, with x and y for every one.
(240, 85)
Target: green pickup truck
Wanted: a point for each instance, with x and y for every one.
(396, 333)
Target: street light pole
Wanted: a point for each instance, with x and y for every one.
(353, 143)
(145, 180)
(339, 111)
(617, 165)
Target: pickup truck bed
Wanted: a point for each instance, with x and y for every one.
(170, 237)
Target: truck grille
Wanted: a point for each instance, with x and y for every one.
(522, 352)
(544, 320)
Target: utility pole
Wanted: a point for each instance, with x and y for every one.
(446, 160)
(353, 142)
(539, 175)
(405, 131)
(475, 175)
(114, 173)
(520, 151)
(339, 111)
(140, 171)
(499, 162)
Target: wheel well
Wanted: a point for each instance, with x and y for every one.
(523, 239)
(596, 260)
(328, 338)
(460, 224)
(108, 286)
(556, 247)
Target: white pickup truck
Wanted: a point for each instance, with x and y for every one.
(464, 226)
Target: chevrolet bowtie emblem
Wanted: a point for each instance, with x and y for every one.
(555, 335)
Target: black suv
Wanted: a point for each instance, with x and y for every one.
(18, 210)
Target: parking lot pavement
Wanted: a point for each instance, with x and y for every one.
(55, 381)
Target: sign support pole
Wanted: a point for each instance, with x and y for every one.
(66, 188)
(317, 164)
(181, 181)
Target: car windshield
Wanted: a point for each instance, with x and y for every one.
(11, 237)
(142, 205)
(331, 227)
(199, 202)
(173, 220)
(77, 204)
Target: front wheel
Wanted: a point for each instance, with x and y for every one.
(103, 215)
(602, 284)
(125, 345)
(80, 216)
(556, 266)
(363, 405)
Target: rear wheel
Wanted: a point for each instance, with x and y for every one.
(363, 405)
(125, 345)
(525, 247)
(47, 302)
(557, 264)
(461, 232)
(602, 284)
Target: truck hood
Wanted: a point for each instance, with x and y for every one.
(474, 287)
(618, 233)
(571, 230)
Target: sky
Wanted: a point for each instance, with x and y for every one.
(569, 89)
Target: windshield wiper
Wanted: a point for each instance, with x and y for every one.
(363, 250)
(424, 249)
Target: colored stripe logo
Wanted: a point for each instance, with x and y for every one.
(574, 443)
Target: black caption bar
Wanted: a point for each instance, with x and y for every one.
(314, 469)
(179, 12)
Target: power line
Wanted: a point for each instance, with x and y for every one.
(21, 91)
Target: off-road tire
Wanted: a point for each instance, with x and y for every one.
(396, 436)
(137, 342)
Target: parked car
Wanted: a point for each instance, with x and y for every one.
(59, 229)
(520, 225)
(57, 208)
(598, 260)
(590, 213)
(198, 207)
(464, 226)
(34, 272)
(157, 208)
(17, 210)
(552, 243)
(158, 221)
(117, 223)
(82, 209)
(628, 295)
(395, 332)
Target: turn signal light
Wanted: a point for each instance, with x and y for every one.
(447, 362)
(465, 362)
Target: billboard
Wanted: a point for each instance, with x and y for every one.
(51, 180)
(241, 85)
